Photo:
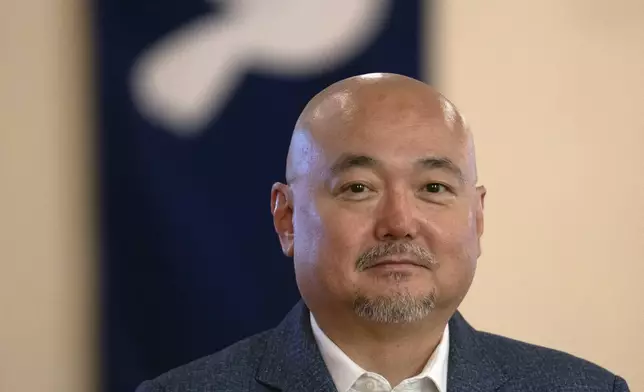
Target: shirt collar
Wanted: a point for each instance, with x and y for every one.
(345, 372)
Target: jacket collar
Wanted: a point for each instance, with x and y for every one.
(472, 367)
(292, 360)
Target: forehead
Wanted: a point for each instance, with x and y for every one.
(392, 127)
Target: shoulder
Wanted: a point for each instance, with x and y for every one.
(232, 368)
(538, 365)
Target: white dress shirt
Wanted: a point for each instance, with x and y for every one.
(349, 377)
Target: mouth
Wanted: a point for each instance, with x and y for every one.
(398, 263)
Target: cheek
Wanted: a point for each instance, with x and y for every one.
(452, 236)
(451, 240)
(453, 229)
(327, 241)
(343, 236)
(307, 235)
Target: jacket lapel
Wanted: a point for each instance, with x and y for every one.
(292, 361)
(471, 368)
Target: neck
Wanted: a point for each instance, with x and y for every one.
(395, 351)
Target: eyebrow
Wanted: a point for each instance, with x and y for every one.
(442, 163)
(350, 161)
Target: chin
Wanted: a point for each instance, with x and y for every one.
(394, 307)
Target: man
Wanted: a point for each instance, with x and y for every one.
(383, 217)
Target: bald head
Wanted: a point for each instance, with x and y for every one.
(359, 102)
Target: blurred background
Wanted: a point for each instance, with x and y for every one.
(139, 140)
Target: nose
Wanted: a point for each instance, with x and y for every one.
(396, 217)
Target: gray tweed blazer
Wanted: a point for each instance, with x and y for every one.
(287, 359)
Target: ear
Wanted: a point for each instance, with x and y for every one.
(282, 210)
(480, 221)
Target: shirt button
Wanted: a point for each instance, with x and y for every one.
(371, 385)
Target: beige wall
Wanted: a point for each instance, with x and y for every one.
(554, 91)
(46, 302)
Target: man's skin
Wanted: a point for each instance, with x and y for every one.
(383, 217)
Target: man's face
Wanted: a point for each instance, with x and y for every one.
(386, 218)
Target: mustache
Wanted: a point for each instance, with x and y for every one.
(420, 255)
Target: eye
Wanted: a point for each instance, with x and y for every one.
(436, 192)
(356, 191)
(435, 187)
(357, 188)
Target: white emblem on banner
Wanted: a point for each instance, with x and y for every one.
(186, 78)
